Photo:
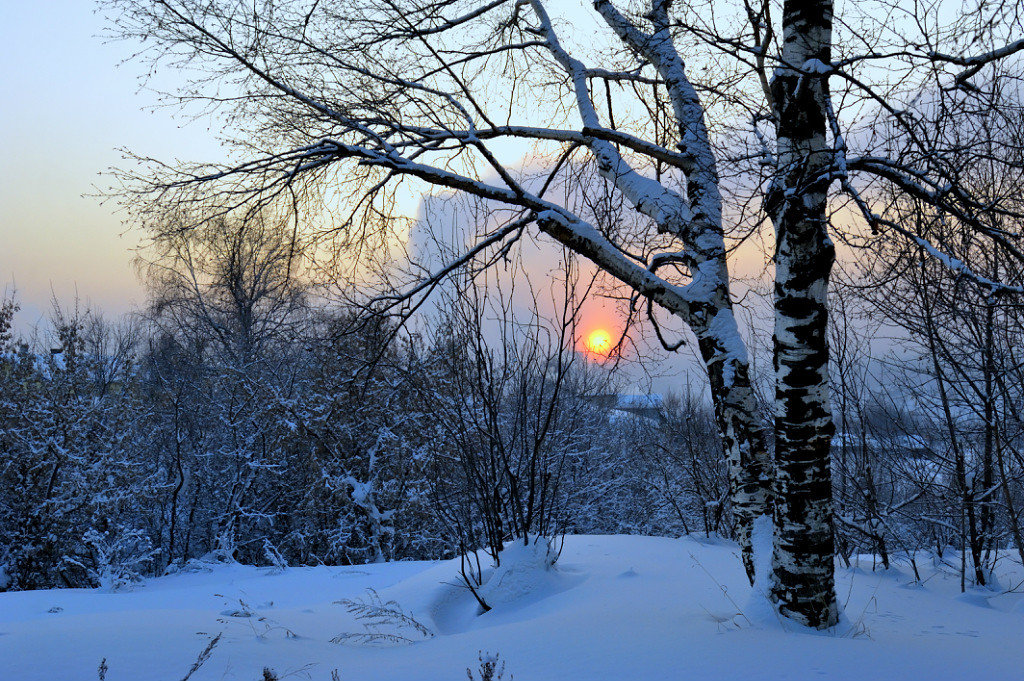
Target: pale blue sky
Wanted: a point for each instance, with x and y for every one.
(65, 107)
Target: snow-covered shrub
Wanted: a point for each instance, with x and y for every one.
(510, 426)
(68, 460)
(277, 562)
(118, 559)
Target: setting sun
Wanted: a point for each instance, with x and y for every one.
(599, 342)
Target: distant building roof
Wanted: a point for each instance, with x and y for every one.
(645, 406)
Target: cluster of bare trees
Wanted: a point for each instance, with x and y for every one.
(954, 401)
(235, 420)
(956, 316)
(927, 459)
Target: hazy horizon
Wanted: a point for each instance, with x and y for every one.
(68, 107)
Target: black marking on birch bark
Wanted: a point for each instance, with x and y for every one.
(802, 580)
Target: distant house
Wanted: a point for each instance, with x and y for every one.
(649, 407)
(899, 445)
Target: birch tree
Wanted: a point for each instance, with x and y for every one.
(340, 106)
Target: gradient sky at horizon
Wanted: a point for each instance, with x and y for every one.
(67, 106)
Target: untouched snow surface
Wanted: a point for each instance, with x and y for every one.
(613, 609)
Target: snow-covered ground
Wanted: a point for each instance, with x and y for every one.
(615, 609)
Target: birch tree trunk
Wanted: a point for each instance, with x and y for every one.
(739, 425)
(802, 580)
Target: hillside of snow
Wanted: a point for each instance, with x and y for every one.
(614, 608)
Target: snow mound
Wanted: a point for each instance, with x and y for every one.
(527, 573)
(976, 596)
(758, 610)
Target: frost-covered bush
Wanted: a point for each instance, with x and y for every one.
(118, 559)
(67, 457)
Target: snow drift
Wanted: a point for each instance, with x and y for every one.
(613, 608)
